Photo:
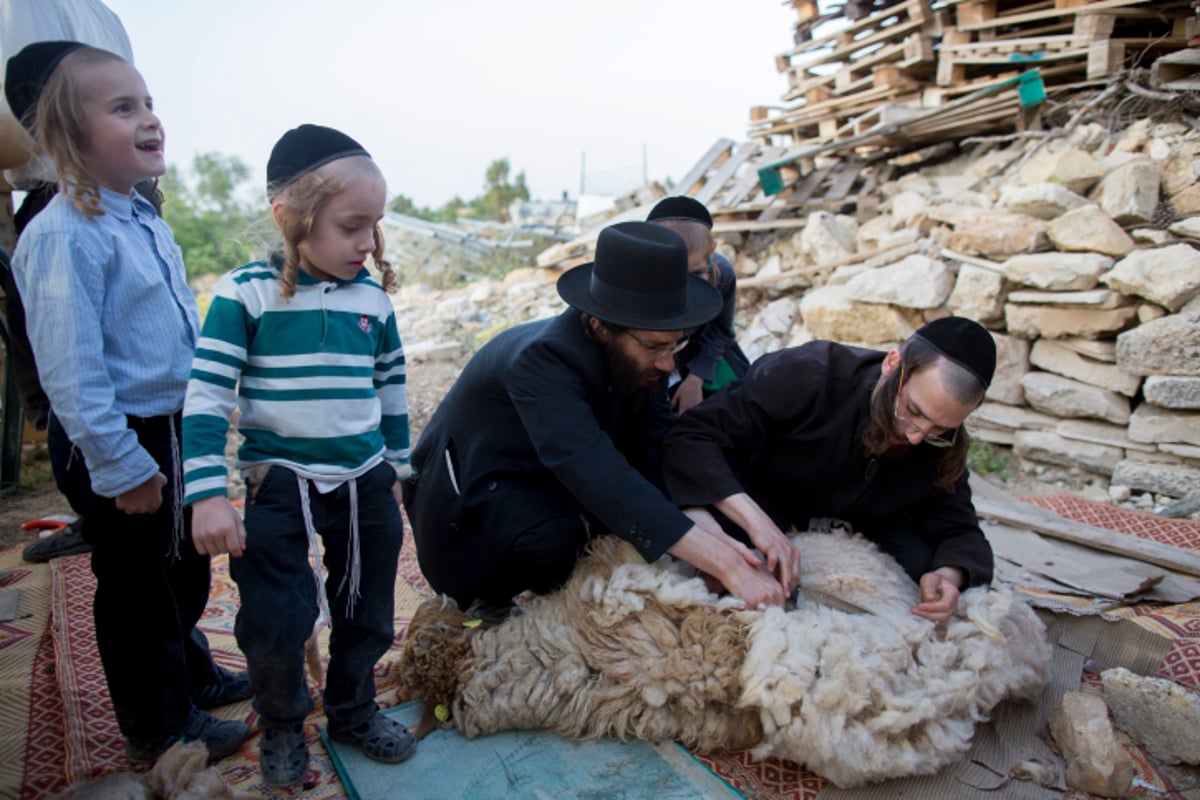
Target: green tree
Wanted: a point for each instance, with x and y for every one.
(499, 192)
(210, 221)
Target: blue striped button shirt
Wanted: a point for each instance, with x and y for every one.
(113, 325)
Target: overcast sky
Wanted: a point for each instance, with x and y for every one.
(437, 89)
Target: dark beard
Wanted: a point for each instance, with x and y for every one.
(628, 380)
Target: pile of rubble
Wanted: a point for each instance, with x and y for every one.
(1079, 254)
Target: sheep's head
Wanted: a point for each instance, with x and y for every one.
(436, 646)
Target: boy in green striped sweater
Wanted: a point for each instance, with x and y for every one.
(305, 345)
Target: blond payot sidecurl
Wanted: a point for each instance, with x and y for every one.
(298, 204)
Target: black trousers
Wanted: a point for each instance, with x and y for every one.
(150, 590)
(279, 594)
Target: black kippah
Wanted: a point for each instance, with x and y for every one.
(680, 207)
(303, 149)
(26, 74)
(963, 341)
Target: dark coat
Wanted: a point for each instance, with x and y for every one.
(790, 435)
(534, 431)
(716, 339)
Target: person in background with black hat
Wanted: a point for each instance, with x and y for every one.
(873, 439)
(113, 324)
(552, 435)
(712, 358)
(306, 346)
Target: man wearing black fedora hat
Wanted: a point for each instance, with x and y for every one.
(552, 433)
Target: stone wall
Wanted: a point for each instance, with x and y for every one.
(1079, 254)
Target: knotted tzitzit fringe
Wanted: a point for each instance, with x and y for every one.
(314, 558)
(353, 572)
(176, 490)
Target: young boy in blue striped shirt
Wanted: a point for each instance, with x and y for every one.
(113, 325)
(305, 345)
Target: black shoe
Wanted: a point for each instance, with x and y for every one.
(66, 541)
(229, 687)
(221, 737)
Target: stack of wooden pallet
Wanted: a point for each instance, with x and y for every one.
(898, 58)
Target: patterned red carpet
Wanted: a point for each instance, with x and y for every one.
(69, 732)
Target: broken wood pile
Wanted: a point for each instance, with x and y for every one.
(915, 55)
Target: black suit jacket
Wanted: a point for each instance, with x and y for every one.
(790, 435)
(531, 430)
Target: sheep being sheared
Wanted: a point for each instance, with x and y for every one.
(634, 650)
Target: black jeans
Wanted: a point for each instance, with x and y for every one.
(279, 595)
(148, 599)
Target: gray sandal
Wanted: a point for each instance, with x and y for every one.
(380, 738)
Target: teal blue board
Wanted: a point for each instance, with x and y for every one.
(526, 764)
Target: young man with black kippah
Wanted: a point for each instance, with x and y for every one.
(553, 432)
(874, 439)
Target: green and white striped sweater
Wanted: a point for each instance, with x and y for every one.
(319, 380)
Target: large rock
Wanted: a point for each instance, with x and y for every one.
(1105, 351)
(1096, 762)
(998, 233)
(1070, 167)
(1052, 322)
(978, 294)
(1160, 714)
(1187, 201)
(1187, 228)
(1089, 230)
(1042, 200)
(1063, 397)
(1166, 346)
(1172, 391)
(1087, 430)
(1173, 480)
(906, 206)
(1057, 272)
(1181, 169)
(1150, 423)
(1129, 194)
(829, 312)
(1050, 448)
(915, 282)
(1012, 362)
(1054, 357)
(1008, 417)
(1169, 276)
(827, 238)
(778, 316)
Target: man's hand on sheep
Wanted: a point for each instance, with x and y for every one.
(709, 549)
(939, 594)
(217, 528)
(783, 558)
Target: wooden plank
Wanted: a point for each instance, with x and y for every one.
(1045, 13)
(846, 175)
(1024, 515)
(723, 173)
(717, 153)
(747, 183)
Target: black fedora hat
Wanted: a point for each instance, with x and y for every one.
(640, 280)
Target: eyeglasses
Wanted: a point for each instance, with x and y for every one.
(657, 351)
(934, 440)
